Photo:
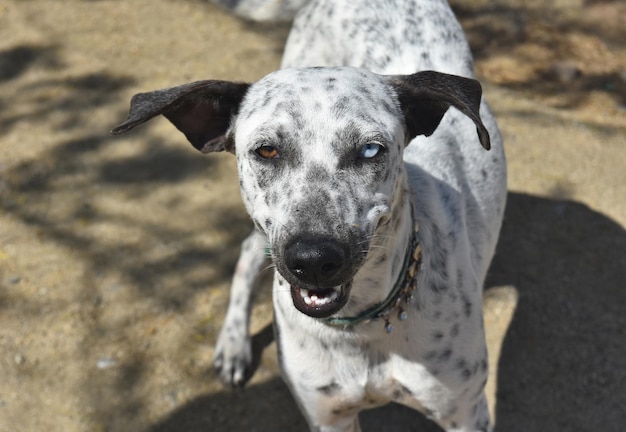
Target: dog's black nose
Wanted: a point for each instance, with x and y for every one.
(315, 261)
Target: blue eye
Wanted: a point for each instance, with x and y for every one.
(370, 150)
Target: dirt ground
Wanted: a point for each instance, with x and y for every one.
(116, 254)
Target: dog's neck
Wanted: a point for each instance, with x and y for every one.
(383, 274)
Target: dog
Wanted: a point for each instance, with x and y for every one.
(375, 176)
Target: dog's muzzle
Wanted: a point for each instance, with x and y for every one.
(320, 272)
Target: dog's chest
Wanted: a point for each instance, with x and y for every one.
(348, 376)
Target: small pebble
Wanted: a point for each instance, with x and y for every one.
(172, 397)
(19, 359)
(105, 363)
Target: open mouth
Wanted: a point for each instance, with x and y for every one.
(320, 303)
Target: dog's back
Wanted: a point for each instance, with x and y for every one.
(389, 37)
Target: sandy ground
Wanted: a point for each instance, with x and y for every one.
(116, 254)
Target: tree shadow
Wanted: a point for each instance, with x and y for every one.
(561, 364)
(551, 51)
(17, 60)
(64, 102)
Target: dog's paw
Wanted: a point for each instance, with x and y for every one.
(233, 358)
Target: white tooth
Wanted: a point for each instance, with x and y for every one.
(334, 296)
(307, 300)
(304, 292)
(314, 298)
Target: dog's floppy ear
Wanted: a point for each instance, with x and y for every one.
(426, 96)
(202, 110)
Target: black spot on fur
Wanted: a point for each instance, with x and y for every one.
(341, 106)
(438, 259)
(467, 306)
(445, 355)
(466, 372)
(454, 331)
(330, 84)
(371, 401)
(344, 410)
(317, 174)
(430, 355)
(401, 393)
(329, 389)
(484, 365)
(438, 287)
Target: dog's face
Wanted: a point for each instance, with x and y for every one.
(319, 152)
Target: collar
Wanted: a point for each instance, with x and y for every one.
(400, 295)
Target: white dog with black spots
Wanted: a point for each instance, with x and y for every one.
(375, 176)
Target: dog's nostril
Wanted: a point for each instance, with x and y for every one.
(330, 268)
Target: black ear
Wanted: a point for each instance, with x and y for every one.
(426, 96)
(202, 110)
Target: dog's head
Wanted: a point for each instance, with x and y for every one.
(319, 152)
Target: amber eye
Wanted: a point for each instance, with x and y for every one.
(267, 152)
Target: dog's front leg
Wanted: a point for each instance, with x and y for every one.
(470, 418)
(233, 353)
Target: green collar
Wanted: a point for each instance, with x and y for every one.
(401, 294)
